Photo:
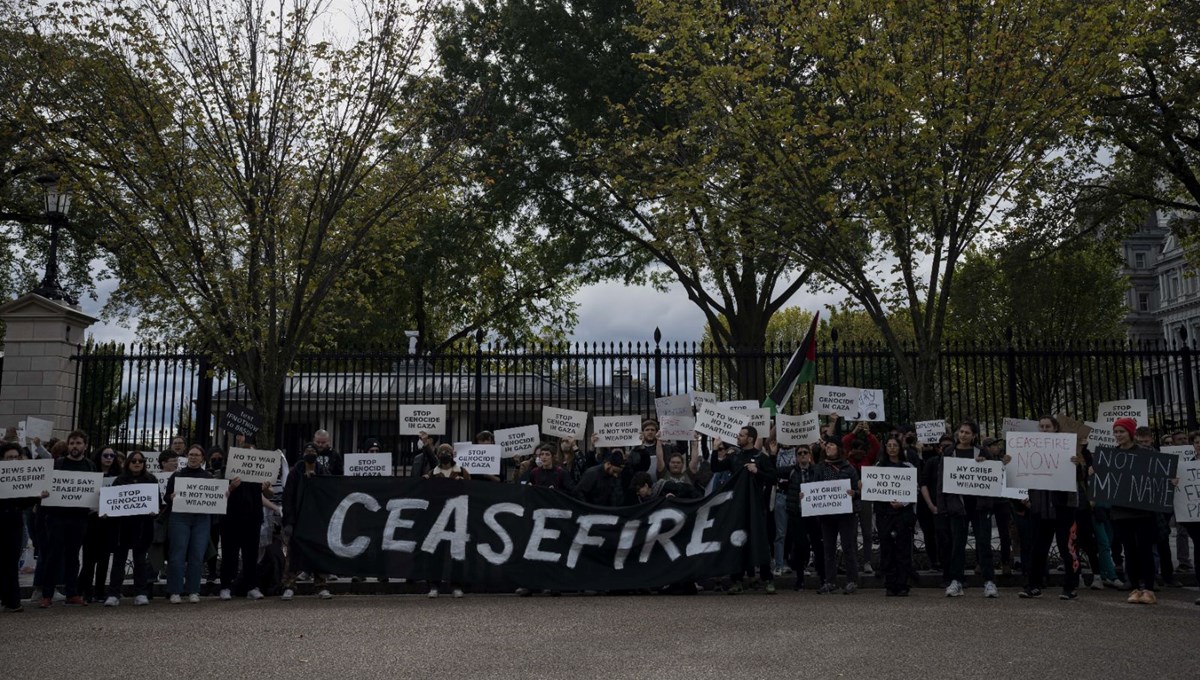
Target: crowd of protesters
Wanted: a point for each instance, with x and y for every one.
(87, 557)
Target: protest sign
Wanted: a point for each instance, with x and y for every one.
(1185, 452)
(37, 428)
(676, 405)
(518, 441)
(719, 423)
(252, 466)
(107, 481)
(617, 430)
(1100, 435)
(129, 501)
(478, 459)
(930, 431)
(1015, 494)
(967, 477)
(760, 420)
(368, 464)
(200, 496)
(74, 490)
(1133, 478)
(738, 404)
(676, 428)
(152, 465)
(703, 398)
(427, 418)
(896, 484)
(1109, 411)
(563, 423)
(826, 498)
(1187, 494)
(1041, 460)
(797, 430)
(1018, 425)
(24, 478)
(851, 403)
(163, 478)
(241, 420)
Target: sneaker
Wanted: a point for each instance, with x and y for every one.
(770, 588)
(1184, 567)
(288, 593)
(226, 594)
(866, 569)
(332, 578)
(954, 589)
(194, 598)
(1030, 594)
(14, 610)
(59, 597)
(457, 592)
(325, 594)
(1069, 595)
(778, 571)
(850, 588)
(1096, 584)
(76, 601)
(433, 592)
(1174, 583)
(1135, 597)
(1148, 597)
(175, 599)
(112, 601)
(1115, 583)
(254, 594)
(798, 585)
(826, 589)
(989, 590)
(735, 589)
(141, 601)
(44, 603)
(524, 592)
(303, 576)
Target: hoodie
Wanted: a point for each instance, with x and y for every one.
(831, 470)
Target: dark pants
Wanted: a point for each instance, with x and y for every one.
(844, 526)
(64, 534)
(95, 558)
(980, 520)
(1193, 531)
(1166, 566)
(1024, 522)
(1059, 530)
(1138, 536)
(116, 578)
(1085, 538)
(929, 533)
(945, 541)
(895, 548)
(805, 534)
(12, 535)
(1003, 513)
(239, 539)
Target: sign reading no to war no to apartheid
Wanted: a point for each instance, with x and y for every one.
(74, 490)
(826, 498)
(797, 430)
(418, 418)
(201, 496)
(1133, 478)
(24, 478)
(894, 484)
(129, 501)
(719, 423)
(968, 477)
(253, 466)
(368, 464)
(1041, 460)
(563, 423)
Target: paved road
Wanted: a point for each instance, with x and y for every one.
(660, 637)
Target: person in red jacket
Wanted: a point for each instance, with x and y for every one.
(862, 448)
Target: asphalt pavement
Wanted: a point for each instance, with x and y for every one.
(711, 635)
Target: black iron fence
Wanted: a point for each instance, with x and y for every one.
(142, 396)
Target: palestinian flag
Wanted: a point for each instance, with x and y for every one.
(802, 367)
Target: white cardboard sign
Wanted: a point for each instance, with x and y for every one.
(367, 464)
(676, 428)
(676, 405)
(1185, 452)
(163, 478)
(851, 403)
(130, 500)
(720, 423)
(617, 430)
(967, 477)
(738, 404)
(930, 431)
(1100, 435)
(1041, 460)
(895, 484)
(1137, 409)
(826, 498)
(200, 496)
(427, 418)
(563, 423)
(760, 420)
(518, 441)
(1187, 494)
(24, 478)
(74, 490)
(1018, 425)
(39, 428)
(481, 459)
(252, 466)
(797, 430)
(703, 398)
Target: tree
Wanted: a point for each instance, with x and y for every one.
(241, 160)
(893, 135)
(571, 134)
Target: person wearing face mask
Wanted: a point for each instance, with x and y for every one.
(65, 530)
(807, 543)
(546, 474)
(188, 533)
(97, 541)
(131, 536)
(309, 466)
(215, 465)
(447, 470)
(239, 532)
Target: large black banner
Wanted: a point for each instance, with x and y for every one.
(1136, 478)
(503, 535)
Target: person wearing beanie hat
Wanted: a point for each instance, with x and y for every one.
(1127, 424)
(606, 483)
(1137, 529)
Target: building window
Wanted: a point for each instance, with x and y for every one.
(1174, 285)
(1139, 260)
(1143, 302)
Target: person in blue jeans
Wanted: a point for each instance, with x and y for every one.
(187, 533)
(785, 460)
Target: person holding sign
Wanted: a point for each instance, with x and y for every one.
(606, 483)
(675, 480)
(187, 533)
(1052, 517)
(12, 538)
(643, 456)
(1136, 529)
(895, 522)
(862, 448)
(309, 466)
(65, 530)
(963, 511)
(131, 535)
(546, 473)
(447, 469)
(807, 544)
(746, 455)
(834, 467)
(97, 541)
(239, 533)
(425, 459)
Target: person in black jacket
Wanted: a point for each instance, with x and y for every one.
(12, 538)
(606, 484)
(65, 529)
(963, 513)
(807, 543)
(746, 455)
(546, 474)
(835, 467)
(895, 522)
(240, 529)
(97, 540)
(309, 466)
(131, 535)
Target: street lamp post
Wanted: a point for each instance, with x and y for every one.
(57, 206)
